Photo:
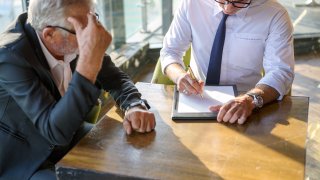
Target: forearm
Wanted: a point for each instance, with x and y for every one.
(87, 69)
(174, 71)
(267, 93)
(118, 84)
(125, 95)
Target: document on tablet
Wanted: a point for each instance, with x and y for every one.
(197, 107)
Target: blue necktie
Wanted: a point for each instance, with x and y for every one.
(213, 74)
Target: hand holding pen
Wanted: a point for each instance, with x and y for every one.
(201, 84)
(188, 84)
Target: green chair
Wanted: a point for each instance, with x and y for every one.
(92, 116)
(159, 78)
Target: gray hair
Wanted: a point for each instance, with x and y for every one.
(42, 13)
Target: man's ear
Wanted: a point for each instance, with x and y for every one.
(47, 34)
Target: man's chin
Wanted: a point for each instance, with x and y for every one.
(229, 13)
(76, 52)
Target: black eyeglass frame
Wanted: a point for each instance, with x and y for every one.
(68, 30)
(245, 5)
(63, 28)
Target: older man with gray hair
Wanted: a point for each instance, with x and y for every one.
(53, 67)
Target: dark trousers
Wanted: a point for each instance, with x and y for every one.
(47, 169)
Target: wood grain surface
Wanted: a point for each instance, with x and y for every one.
(271, 145)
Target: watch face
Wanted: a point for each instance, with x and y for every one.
(259, 101)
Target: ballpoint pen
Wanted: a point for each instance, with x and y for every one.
(193, 77)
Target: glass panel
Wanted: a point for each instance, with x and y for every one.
(176, 4)
(154, 13)
(133, 20)
(9, 10)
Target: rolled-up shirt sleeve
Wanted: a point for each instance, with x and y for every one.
(278, 61)
(177, 39)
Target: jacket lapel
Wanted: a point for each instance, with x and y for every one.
(40, 63)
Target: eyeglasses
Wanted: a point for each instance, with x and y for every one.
(68, 30)
(237, 4)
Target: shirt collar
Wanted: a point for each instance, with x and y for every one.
(52, 61)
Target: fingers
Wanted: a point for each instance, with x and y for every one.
(189, 86)
(75, 23)
(242, 119)
(143, 125)
(181, 83)
(147, 122)
(92, 19)
(223, 110)
(151, 124)
(139, 120)
(193, 86)
(235, 111)
(215, 108)
(236, 116)
(127, 126)
(135, 124)
(148, 127)
(201, 83)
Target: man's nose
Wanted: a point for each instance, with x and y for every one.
(227, 5)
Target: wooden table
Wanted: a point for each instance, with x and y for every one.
(271, 145)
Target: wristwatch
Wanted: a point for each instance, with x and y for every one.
(142, 103)
(257, 100)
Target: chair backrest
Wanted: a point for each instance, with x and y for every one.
(159, 78)
(92, 116)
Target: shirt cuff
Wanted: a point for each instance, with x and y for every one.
(278, 86)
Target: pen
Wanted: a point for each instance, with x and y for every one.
(193, 77)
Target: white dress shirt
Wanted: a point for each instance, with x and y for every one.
(258, 37)
(60, 70)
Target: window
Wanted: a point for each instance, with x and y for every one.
(9, 10)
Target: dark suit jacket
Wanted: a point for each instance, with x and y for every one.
(33, 116)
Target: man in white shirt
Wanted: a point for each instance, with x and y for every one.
(258, 36)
